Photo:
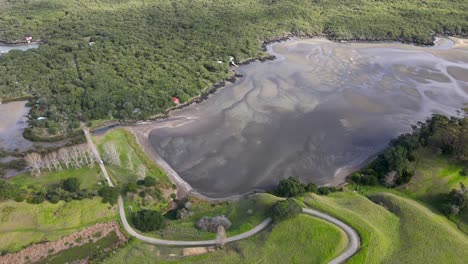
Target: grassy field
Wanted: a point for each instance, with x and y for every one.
(22, 223)
(127, 145)
(302, 239)
(435, 175)
(89, 178)
(81, 252)
(244, 215)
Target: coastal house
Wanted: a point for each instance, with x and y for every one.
(28, 38)
(175, 100)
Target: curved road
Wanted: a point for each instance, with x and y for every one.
(353, 237)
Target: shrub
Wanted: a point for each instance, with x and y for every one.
(131, 187)
(311, 188)
(149, 181)
(290, 187)
(37, 198)
(109, 194)
(464, 171)
(8, 190)
(285, 209)
(54, 198)
(324, 190)
(148, 220)
(71, 184)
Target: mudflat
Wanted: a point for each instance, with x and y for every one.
(13, 120)
(318, 110)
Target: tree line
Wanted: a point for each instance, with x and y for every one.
(73, 157)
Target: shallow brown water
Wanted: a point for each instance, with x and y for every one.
(318, 109)
(13, 121)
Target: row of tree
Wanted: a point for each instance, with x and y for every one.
(65, 158)
(293, 186)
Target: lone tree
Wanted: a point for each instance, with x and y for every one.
(148, 220)
(285, 209)
(290, 187)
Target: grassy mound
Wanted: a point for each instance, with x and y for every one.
(377, 227)
(408, 232)
(244, 215)
(425, 237)
(22, 223)
(302, 239)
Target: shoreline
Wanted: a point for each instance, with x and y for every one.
(184, 188)
(141, 130)
(23, 43)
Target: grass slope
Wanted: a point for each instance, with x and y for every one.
(425, 237)
(408, 232)
(302, 239)
(127, 145)
(22, 223)
(377, 228)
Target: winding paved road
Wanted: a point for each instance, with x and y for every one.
(353, 237)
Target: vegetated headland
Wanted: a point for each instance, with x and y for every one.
(96, 69)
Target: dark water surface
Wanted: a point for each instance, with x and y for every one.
(317, 111)
(7, 48)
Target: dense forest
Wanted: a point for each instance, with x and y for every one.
(125, 59)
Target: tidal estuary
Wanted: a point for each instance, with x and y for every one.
(319, 110)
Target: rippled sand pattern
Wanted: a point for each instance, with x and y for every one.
(320, 108)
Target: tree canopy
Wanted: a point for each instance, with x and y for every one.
(126, 59)
(148, 220)
(285, 209)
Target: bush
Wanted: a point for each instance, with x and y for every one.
(290, 187)
(149, 181)
(37, 198)
(311, 188)
(8, 190)
(464, 171)
(54, 199)
(109, 194)
(148, 220)
(71, 184)
(131, 187)
(324, 190)
(285, 209)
